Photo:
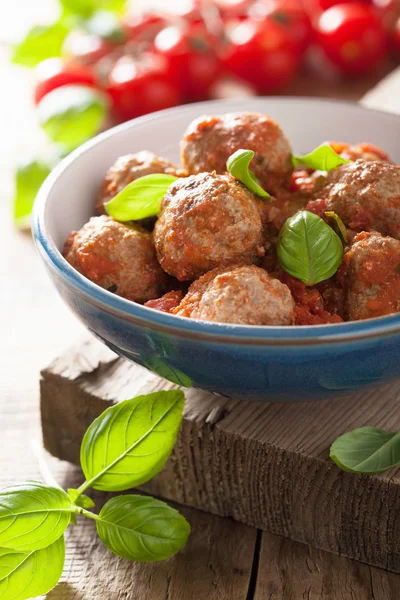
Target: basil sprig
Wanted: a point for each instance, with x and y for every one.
(72, 114)
(141, 198)
(238, 166)
(127, 445)
(366, 450)
(308, 249)
(323, 158)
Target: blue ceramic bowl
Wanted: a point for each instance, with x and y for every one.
(262, 363)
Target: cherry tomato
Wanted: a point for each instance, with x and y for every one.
(144, 26)
(352, 37)
(192, 61)
(85, 48)
(54, 73)
(261, 53)
(289, 15)
(141, 85)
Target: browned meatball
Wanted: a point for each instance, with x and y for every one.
(370, 274)
(128, 168)
(365, 195)
(120, 258)
(209, 141)
(207, 221)
(241, 294)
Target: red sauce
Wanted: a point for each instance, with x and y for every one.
(96, 267)
(318, 207)
(309, 304)
(167, 302)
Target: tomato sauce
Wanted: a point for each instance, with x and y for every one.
(309, 304)
(166, 303)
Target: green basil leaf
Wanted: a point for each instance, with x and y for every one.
(28, 575)
(80, 499)
(141, 528)
(323, 158)
(106, 25)
(130, 442)
(366, 450)
(40, 43)
(29, 177)
(86, 8)
(72, 114)
(337, 225)
(238, 166)
(308, 249)
(32, 515)
(169, 372)
(141, 198)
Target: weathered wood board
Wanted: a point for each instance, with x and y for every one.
(265, 465)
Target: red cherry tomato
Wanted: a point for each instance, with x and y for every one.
(289, 15)
(87, 49)
(54, 73)
(352, 37)
(141, 85)
(192, 61)
(144, 26)
(261, 53)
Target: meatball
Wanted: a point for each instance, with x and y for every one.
(207, 221)
(128, 168)
(370, 275)
(241, 294)
(209, 141)
(365, 195)
(120, 258)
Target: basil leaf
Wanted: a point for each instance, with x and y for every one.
(72, 114)
(167, 371)
(32, 515)
(80, 499)
(29, 177)
(337, 225)
(28, 575)
(40, 43)
(323, 158)
(130, 442)
(141, 198)
(238, 166)
(106, 25)
(86, 8)
(366, 450)
(308, 249)
(141, 528)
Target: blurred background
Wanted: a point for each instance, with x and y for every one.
(71, 68)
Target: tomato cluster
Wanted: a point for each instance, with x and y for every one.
(157, 60)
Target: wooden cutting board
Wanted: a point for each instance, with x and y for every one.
(265, 465)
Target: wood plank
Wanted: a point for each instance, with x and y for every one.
(215, 565)
(292, 571)
(265, 465)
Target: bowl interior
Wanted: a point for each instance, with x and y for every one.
(306, 122)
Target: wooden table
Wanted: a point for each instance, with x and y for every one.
(224, 560)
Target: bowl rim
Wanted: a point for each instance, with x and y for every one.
(351, 331)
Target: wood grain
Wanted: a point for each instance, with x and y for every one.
(265, 465)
